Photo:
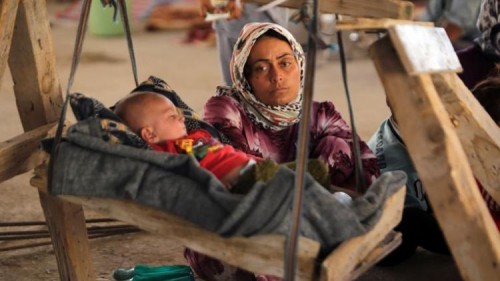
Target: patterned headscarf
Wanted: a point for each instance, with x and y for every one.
(488, 24)
(274, 117)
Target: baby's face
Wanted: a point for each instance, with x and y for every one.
(170, 122)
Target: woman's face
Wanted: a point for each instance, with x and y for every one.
(273, 71)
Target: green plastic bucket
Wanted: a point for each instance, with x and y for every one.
(101, 20)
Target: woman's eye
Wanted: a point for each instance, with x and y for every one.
(260, 68)
(286, 63)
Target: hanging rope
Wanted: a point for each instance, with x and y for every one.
(128, 34)
(80, 36)
(310, 8)
(358, 164)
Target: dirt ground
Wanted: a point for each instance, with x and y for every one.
(193, 71)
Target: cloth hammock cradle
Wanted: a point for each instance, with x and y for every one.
(261, 251)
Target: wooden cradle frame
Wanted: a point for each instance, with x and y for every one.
(440, 150)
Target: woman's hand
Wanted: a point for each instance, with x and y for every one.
(207, 7)
(233, 7)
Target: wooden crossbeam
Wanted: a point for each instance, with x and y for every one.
(477, 132)
(21, 154)
(358, 8)
(442, 165)
(7, 19)
(375, 24)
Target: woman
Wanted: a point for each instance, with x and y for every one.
(260, 116)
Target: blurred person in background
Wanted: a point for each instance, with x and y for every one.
(479, 60)
(457, 17)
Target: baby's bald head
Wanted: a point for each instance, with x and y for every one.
(137, 109)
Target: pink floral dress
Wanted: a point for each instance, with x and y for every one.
(330, 139)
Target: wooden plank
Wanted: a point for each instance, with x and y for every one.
(38, 98)
(391, 242)
(351, 254)
(477, 132)
(21, 154)
(7, 19)
(442, 165)
(263, 254)
(359, 8)
(424, 49)
(32, 65)
(375, 24)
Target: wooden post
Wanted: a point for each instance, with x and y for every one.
(477, 132)
(38, 98)
(22, 154)
(32, 64)
(429, 50)
(7, 19)
(442, 165)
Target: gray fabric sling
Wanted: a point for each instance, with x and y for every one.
(89, 166)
